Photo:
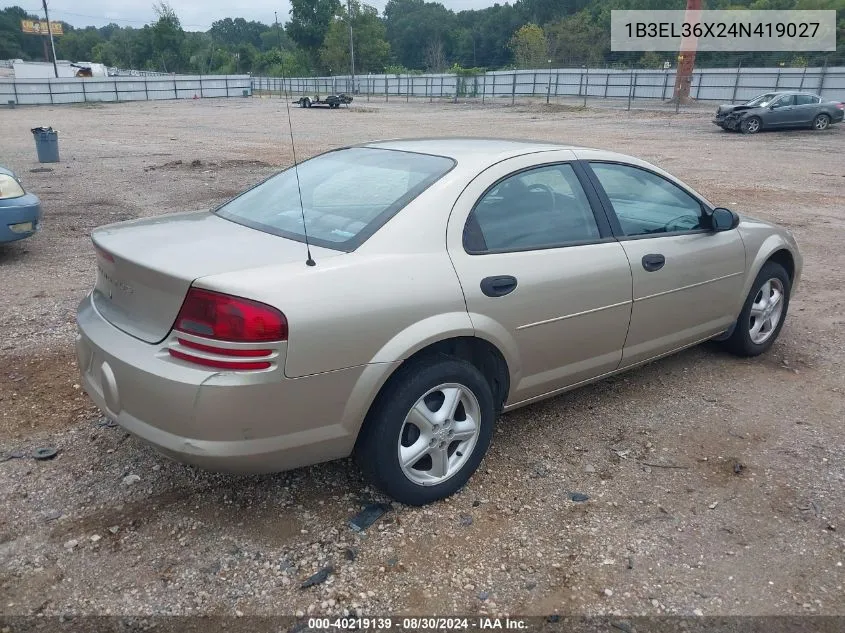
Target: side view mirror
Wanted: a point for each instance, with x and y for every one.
(722, 219)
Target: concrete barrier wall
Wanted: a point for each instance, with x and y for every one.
(115, 89)
(708, 84)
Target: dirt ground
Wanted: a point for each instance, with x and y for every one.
(671, 527)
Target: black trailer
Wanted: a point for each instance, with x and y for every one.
(332, 101)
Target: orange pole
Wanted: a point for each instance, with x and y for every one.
(686, 57)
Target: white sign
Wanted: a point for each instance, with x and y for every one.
(713, 31)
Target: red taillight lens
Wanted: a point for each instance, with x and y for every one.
(239, 353)
(226, 318)
(841, 106)
(233, 365)
(219, 317)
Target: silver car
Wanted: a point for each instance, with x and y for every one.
(779, 110)
(442, 282)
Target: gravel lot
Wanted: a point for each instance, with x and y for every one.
(670, 527)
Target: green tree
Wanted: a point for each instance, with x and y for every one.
(271, 37)
(543, 11)
(651, 60)
(168, 37)
(78, 44)
(233, 32)
(420, 35)
(13, 43)
(413, 26)
(310, 21)
(529, 46)
(491, 31)
(577, 39)
(368, 36)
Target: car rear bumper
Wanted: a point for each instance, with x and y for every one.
(19, 218)
(239, 422)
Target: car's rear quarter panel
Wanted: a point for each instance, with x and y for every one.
(378, 304)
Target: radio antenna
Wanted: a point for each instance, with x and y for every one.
(310, 261)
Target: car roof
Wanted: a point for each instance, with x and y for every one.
(462, 149)
(791, 92)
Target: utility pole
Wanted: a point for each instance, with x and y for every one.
(686, 57)
(281, 57)
(278, 32)
(52, 43)
(351, 47)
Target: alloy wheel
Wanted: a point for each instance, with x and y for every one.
(752, 126)
(439, 434)
(766, 311)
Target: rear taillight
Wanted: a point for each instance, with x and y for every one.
(841, 106)
(215, 316)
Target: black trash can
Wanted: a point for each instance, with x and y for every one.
(46, 144)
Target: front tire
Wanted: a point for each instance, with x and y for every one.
(763, 313)
(428, 430)
(752, 125)
(821, 122)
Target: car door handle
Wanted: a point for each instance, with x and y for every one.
(653, 261)
(498, 286)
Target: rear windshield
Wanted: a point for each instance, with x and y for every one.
(347, 195)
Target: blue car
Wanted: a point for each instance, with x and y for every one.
(20, 212)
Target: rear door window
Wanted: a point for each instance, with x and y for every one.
(537, 208)
(786, 100)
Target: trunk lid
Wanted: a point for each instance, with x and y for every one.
(145, 267)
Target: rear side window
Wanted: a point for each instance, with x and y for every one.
(806, 99)
(347, 195)
(537, 208)
(786, 100)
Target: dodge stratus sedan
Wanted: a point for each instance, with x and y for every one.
(441, 282)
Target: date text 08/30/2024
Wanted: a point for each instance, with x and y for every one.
(417, 624)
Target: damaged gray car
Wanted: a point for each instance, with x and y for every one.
(779, 110)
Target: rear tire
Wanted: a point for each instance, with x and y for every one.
(760, 322)
(821, 122)
(752, 125)
(427, 431)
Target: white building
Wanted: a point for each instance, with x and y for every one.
(44, 70)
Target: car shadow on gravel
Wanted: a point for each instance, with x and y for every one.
(13, 252)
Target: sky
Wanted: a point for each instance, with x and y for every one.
(195, 15)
